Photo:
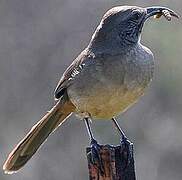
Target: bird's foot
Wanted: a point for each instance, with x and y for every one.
(95, 156)
(127, 149)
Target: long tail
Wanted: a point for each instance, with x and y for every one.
(37, 135)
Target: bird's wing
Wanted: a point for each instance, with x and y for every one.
(73, 70)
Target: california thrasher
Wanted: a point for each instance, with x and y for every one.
(103, 81)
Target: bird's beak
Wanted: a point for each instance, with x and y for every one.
(155, 10)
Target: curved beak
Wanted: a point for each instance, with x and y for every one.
(154, 10)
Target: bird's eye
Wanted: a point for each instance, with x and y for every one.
(136, 16)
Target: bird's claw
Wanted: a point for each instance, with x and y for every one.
(127, 149)
(95, 156)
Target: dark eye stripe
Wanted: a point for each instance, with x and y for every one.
(136, 15)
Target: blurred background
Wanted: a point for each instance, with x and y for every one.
(38, 40)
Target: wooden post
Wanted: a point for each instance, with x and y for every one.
(115, 162)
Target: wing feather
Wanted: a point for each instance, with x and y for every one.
(73, 70)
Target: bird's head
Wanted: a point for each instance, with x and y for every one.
(123, 24)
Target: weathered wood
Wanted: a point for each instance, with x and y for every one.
(115, 162)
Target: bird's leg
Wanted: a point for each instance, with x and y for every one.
(123, 136)
(95, 148)
(125, 143)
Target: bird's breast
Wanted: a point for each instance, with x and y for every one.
(109, 87)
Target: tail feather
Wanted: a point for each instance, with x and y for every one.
(37, 135)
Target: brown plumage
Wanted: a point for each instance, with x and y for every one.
(37, 135)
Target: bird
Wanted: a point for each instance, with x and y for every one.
(106, 78)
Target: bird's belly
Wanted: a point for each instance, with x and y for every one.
(105, 102)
